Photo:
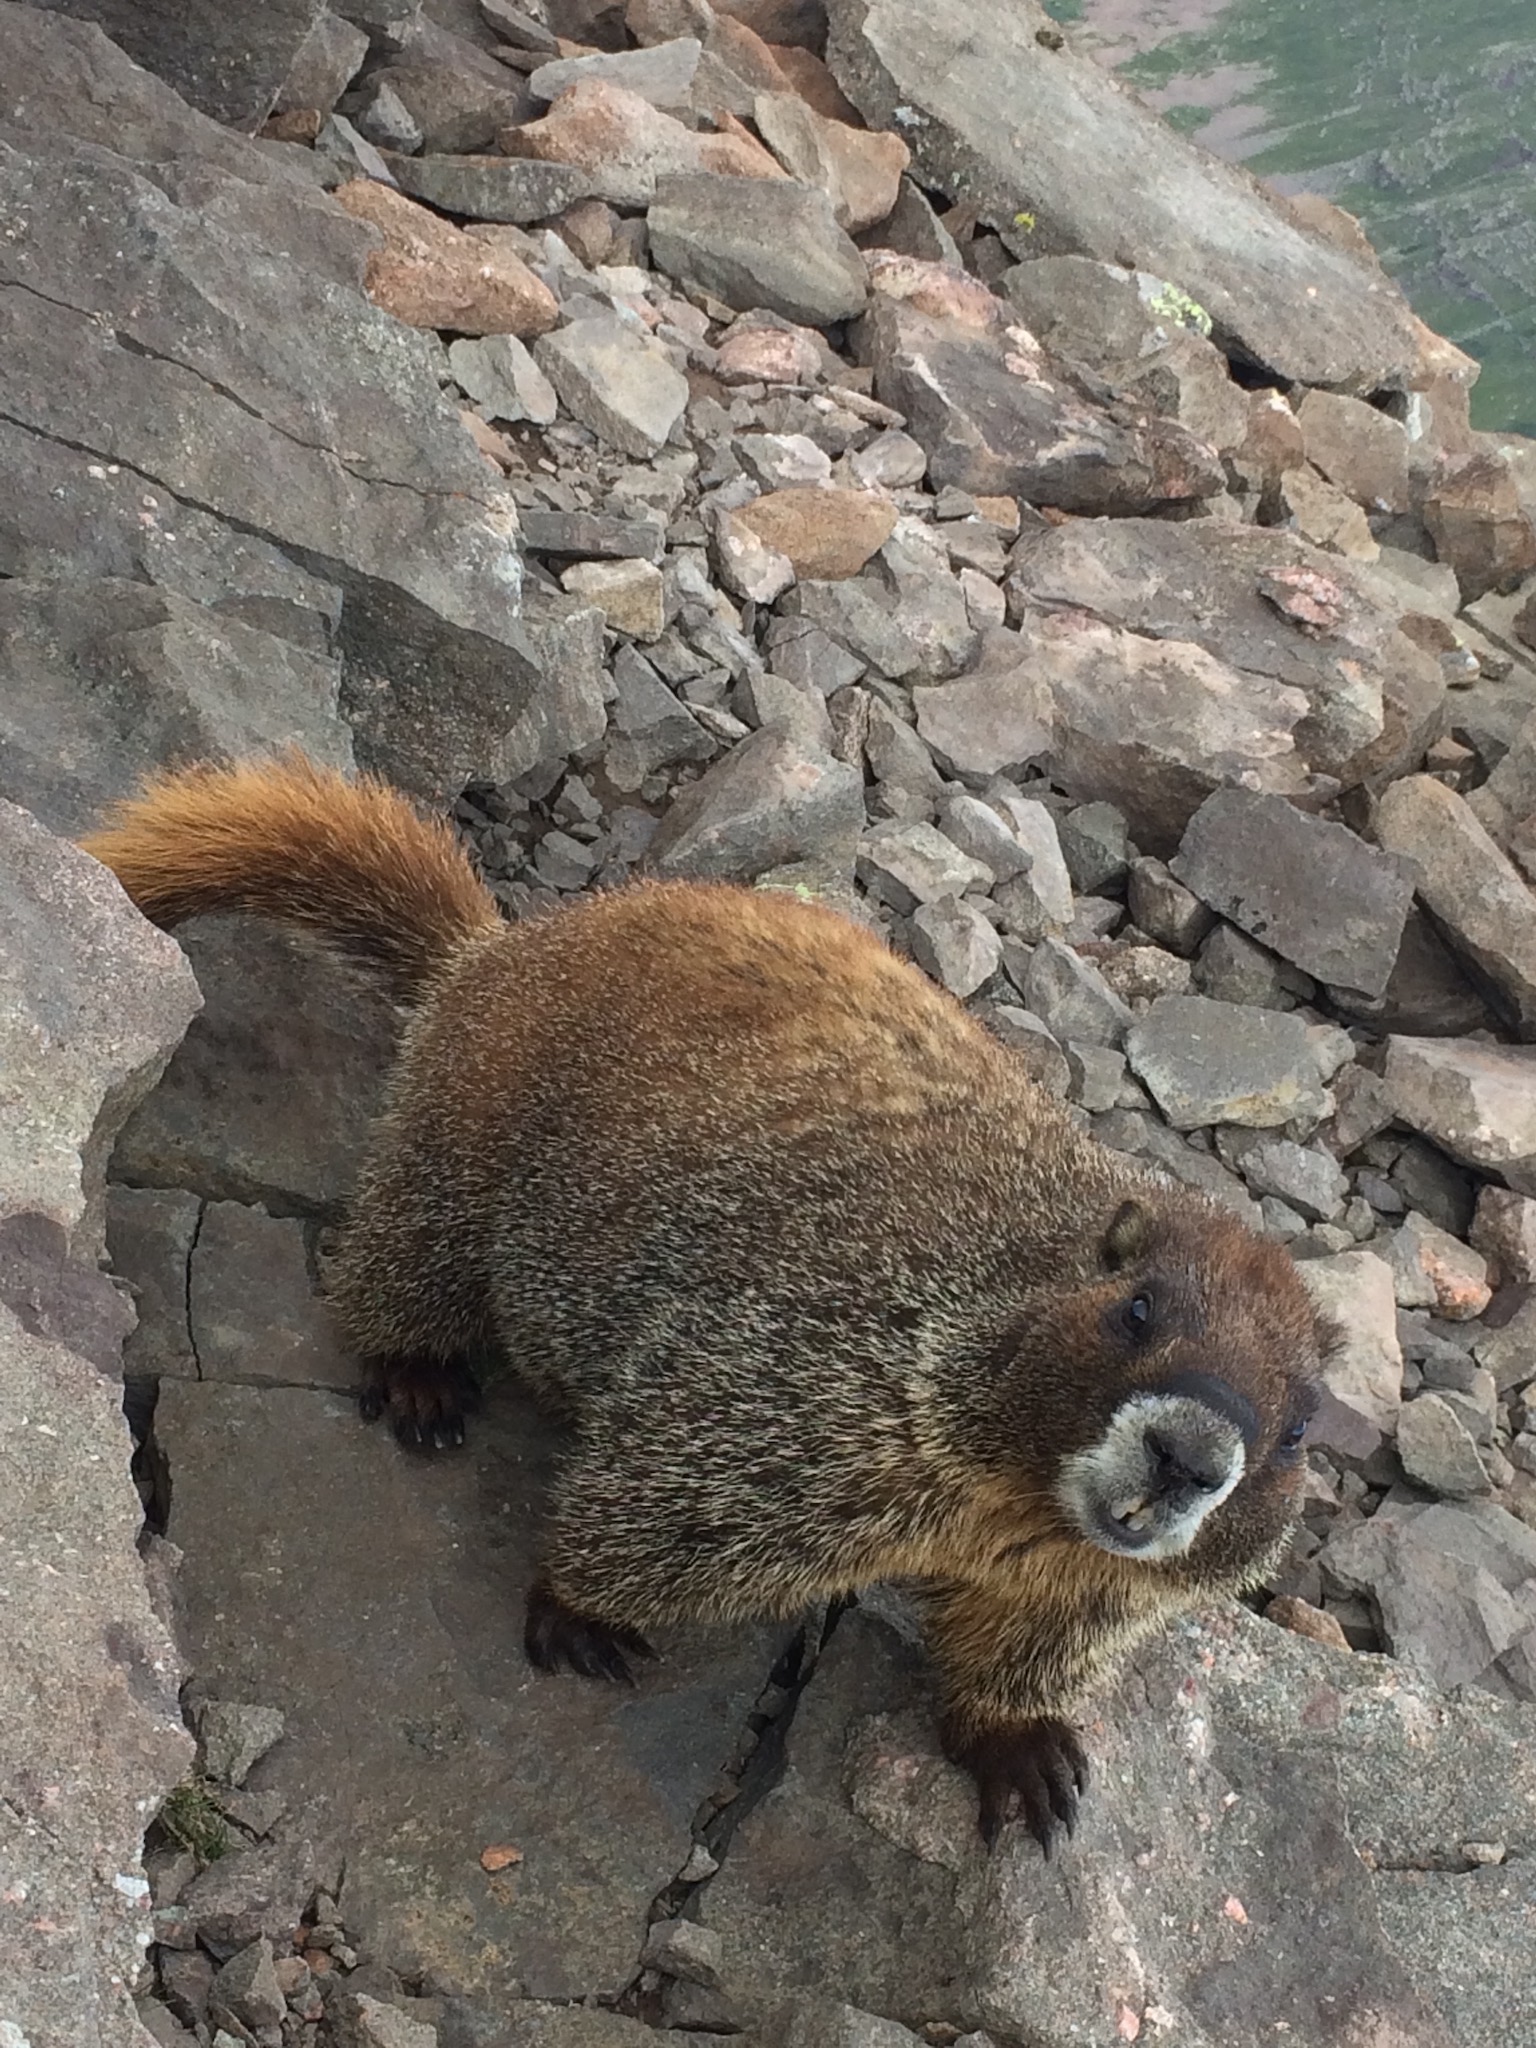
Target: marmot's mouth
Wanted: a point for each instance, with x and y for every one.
(1127, 1528)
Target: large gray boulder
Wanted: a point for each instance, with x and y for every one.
(92, 1000)
(1020, 128)
(149, 391)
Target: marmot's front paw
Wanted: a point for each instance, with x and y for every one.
(1034, 1771)
(554, 1634)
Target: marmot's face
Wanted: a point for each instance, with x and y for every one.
(1192, 1361)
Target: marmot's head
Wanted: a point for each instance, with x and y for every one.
(1168, 1397)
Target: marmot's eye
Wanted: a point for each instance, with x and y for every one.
(1138, 1314)
(1291, 1440)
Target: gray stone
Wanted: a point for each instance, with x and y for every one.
(250, 1308)
(753, 242)
(992, 422)
(567, 714)
(930, 604)
(952, 80)
(629, 593)
(1026, 1037)
(858, 614)
(1504, 1231)
(1442, 1578)
(387, 122)
(597, 536)
(768, 699)
(408, 1674)
(1474, 892)
(1438, 1451)
(996, 719)
(1232, 968)
(1154, 727)
(802, 651)
(1311, 890)
(650, 728)
(662, 74)
(1035, 828)
(246, 1989)
(909, 864)
(1261, 602)
(615, 381)
(502, 188)
(360, 2021)
(134, 675)
(1097, 1075)
(1309, 1179)
(1095, 845)
(1225, 1063)
(271, 1095)
(770, 803)
(1361, 449)
(233, 416)
(978, 829)
(817, 2024)
(1072, 997)
(682, 1948)
(150, 1234)
(234, 1736)
(92, 1000)
(458, 95)
(1138, 1131)
(502, 378)
(1475, 1101)
(1510, 1353)
(955, 943)
(1164, 909)
(517, 27)
(1432, 1269)
(323, 65)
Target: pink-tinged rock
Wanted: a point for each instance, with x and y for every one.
(940, 290)
(430, 274)
(859, 171)
(625, 144)
(769, 355)
(1431, 1269)
(826, 532)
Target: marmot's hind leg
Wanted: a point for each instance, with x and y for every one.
(427, 1398)
(555, 1635)
(411, 1305)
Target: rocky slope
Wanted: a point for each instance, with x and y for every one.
(728, 440)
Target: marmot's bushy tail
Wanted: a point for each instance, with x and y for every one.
(285, 839)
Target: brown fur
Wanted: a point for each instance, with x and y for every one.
(829, 1285)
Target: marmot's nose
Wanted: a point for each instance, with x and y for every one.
(1177, 1466)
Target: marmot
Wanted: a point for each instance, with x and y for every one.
(833, 1292)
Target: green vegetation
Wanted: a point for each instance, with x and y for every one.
(191, 1819)
(1422, 121)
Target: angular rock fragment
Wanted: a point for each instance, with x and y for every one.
(619, 145)
(770, 803)
(954, 942)
(1072, 998)
(628, 593)
(1476, 1101)
(1364, 1374)
(993, 418)
(859, 169)
(1154, 727)
(1473, 890)
(1311, 890)
(1480, 525)
(998, 718)
(952, 81)
(615, 381)
(758, 242)
(1224, 1063)
(661, 73)
(911, 864)
(430, 274)
(825, 533)
(1438, 1451)
(493, 188)
(1362, 450)
(1265, 604)
(1432, 1269)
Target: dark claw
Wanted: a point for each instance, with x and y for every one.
(426, 1398)
(1035, 1771)
(556, 1635)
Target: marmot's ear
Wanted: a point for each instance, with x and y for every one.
(1127, 1238)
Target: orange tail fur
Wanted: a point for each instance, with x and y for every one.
(285, 839)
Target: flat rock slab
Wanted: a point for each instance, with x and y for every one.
(375, 1599)
(1265, 603)
(950, 76)
(1476, 1101)
(92, 1001)
(753, 242)
(1309, 890)
(136, 676)
(994, 420)
(229, 64)
(1226, 1063)
(271, 1095)
(1254, 1781)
